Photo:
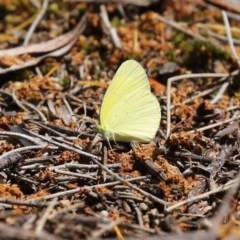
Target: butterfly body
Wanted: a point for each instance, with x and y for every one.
(129, 112)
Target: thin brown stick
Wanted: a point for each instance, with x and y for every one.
(177, 78)
(202, 196)
(110, 172)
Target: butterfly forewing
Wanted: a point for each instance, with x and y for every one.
(124, 82)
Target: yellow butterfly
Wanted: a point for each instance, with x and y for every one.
(129, 111)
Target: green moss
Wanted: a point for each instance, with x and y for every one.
(115, 21)
(179, 38)
(54, 7)
(13, 19)
(65, 81)
(25, 74)
(201, 55)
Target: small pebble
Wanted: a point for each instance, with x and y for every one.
(143, 206)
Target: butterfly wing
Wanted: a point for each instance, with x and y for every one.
(129, 110)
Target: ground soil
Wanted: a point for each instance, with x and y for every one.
(59, 179)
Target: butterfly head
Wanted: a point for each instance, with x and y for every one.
(106, 134)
